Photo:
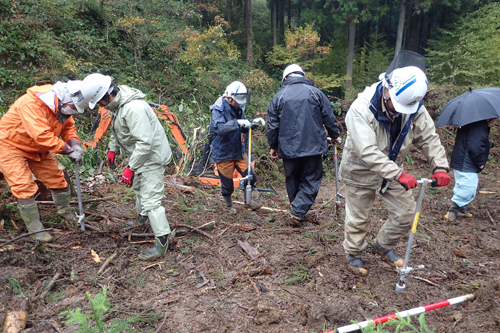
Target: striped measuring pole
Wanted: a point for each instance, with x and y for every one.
(403, 314)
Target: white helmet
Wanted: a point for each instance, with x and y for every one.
(407, 87)
(94, 87)
(294, 68)
(75, 93)
(237, 91)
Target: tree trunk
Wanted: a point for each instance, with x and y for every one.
(249, 32)
(350, 54)
(281, 20)
(229, 11)
(274, 21)
(401, 23)
(289, 14)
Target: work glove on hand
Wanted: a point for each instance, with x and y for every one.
(243, 123)
(67, 150)
(75, 144)
(407, 181)
(76, 157)
(258, 122)
(442, 178)
(128, 176)
(111, 159)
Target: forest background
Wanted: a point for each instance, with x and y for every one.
(184, 53)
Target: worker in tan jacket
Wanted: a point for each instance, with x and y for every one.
(383, 124)
(38, 124)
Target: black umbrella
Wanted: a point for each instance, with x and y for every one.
(472, 106)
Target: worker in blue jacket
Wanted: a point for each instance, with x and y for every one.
(227, 123)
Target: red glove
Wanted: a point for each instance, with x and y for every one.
(442, 178)
(407, 181)
(111, 159)
(128, 176)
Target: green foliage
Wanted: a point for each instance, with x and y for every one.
(453, 57)
(402, 325)
(299, 275)
(15, 286)
(94, 322)
(302, 47)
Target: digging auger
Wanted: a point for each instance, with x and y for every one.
(400, 286)
(403, 314)
(79, 193)
(338, 195)
(248, 177)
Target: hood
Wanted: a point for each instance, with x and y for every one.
(45, 94)
(295, 80)
(124, 96)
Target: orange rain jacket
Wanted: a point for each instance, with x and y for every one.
(29, 133)
(32, 126)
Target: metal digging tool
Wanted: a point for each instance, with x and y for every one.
(338, 195)
(248, 177)
(79, 192)
(400, 286)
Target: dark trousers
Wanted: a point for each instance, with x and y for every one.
(303, 179)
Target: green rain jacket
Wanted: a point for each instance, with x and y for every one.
(137, 131)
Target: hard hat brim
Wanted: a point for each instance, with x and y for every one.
(401, 108)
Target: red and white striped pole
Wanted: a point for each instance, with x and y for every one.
(404, 314)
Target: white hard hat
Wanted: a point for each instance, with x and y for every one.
(74, 90)
(407, 87)
(293, 68)
(237, 91)
(94, 87)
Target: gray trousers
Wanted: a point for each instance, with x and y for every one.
(149, 191)
(359, 204)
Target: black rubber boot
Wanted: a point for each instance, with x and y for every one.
(139, 220)
(158, 251)
(389, 256)
(463, 211)
(453, 212)
(229, 204)
(356, 265)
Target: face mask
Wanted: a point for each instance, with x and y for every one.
(67, 110)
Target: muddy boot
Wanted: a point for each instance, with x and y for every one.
(356, 265)
(253, 205)
(61, 199)
(158, 250)
(229, 204)
(389, 256)
(139, 220)
(295, 219)
(463, 211)
(452, 212)
(29, 213)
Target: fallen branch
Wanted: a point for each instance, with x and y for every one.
(253, 284)
(26, 235)
(184, 188)
(173, 226)
(106, 263)
(49, 287)
(252, 252)
(491, 218)
(263, 207)
(76, 202)
(425, 280)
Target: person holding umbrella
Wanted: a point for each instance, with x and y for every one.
(473, 113)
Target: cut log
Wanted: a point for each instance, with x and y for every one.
(15, 321)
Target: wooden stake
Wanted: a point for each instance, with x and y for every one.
(106, 263)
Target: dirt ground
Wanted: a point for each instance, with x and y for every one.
(254, 272)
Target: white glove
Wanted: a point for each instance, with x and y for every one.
(78, 148)
(259, 121)
(76, 157)
(243, 123)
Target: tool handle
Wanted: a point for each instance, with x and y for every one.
(433, 182)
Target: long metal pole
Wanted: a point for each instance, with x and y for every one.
(248, 189)
(79, 193)
(400, 286)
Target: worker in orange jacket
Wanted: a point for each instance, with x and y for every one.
(30, 132)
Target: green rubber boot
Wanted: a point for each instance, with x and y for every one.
(229, 204)
(61, 199)
(29, 213)
(158, 250)
(139, 220)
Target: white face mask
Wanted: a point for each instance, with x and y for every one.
(67, 110)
